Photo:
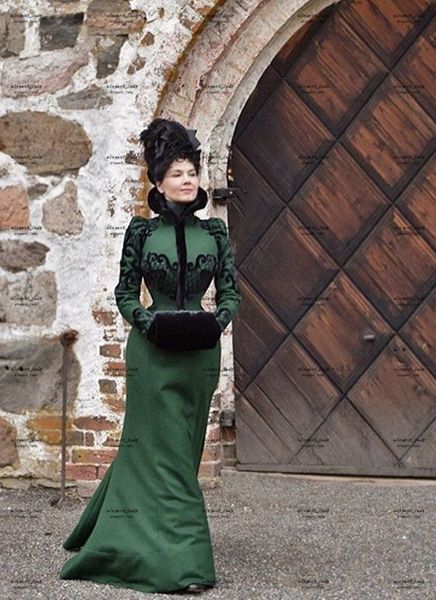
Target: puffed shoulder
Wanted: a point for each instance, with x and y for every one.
(138, 223)
(136, 231)
(217, 225)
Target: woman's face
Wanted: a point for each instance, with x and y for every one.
(180, 183)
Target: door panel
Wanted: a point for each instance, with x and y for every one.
(335, 247)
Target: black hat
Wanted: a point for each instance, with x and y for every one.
(164, 141)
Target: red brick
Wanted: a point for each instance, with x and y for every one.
(89, 438)
(101, 471)
(228, 434)
(214, 434)
(148, 39)
(94, 456)
(115, 368)
(115, 403)
(210, 469)
(104, 317)
(211, 452)
(111, 441)
(80, 472)
(107, 386)
(112, 350)
(94, 423)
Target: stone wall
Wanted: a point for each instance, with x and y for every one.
(73, 81)
(79, 79)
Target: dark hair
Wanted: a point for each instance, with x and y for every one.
(164, 141)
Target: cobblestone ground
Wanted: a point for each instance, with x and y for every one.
(275, 537)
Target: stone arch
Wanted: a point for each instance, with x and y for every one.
(248, 42)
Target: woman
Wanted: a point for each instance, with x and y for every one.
(146, 527)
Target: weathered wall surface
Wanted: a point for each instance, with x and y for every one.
(79, 79)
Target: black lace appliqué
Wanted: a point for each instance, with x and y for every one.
(128, 288)
(161, 274)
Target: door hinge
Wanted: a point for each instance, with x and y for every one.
(222, 195)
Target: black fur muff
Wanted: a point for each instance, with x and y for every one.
(184, 330)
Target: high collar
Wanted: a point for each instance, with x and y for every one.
(159, 204)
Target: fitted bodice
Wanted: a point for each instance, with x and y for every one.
(177, 260)
(161, 263)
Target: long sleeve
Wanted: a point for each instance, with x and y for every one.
(228, 295)
(127, 292)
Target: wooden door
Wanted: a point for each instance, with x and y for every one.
(334, 234)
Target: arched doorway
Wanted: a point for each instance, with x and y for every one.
(336, 251)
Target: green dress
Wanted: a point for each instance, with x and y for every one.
(146, 526)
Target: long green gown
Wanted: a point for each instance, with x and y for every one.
(146, 526)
